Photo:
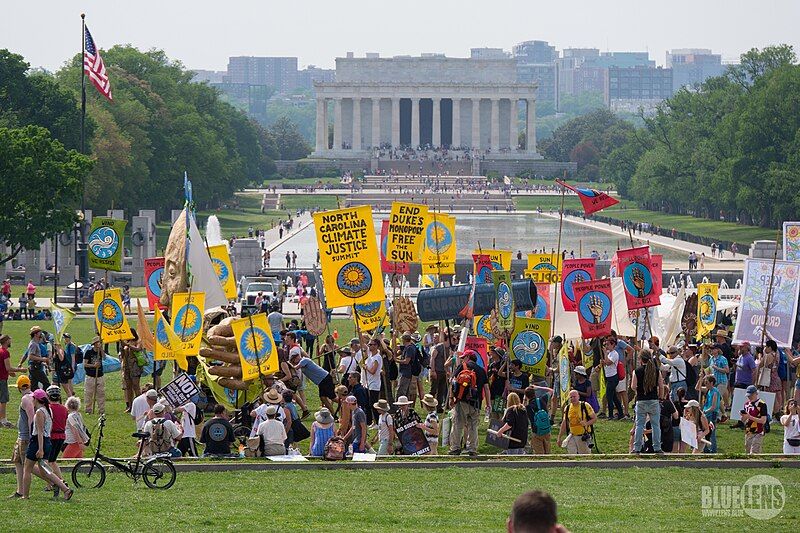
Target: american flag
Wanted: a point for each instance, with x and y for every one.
(94, 67)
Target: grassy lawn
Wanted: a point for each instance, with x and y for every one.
(612, 436)
(452, 499)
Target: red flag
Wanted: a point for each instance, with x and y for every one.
(386, 266)
(636, 272)
(592, 200)
(542, 308)
(483, 267)
(575, 271)
(480, 345)
(594, 307)
(153, 270)
(657, 263)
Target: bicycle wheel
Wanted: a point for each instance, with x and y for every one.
(88, 474)
(159, 474)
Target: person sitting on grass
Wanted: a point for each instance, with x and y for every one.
(322, 429)
(516, 420)
(272, 433)
(217, 434)
(534, 511)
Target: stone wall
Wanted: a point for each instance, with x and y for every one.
(515, 167)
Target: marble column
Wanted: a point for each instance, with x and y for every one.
(395, 122)
(495, 138)
(476, 123)
(322, 126)
(414, 122)
(376, 122)
(456, 122)
(437, 122)
(530, 131)
(337, 123)
(356, 124)
(513, 126)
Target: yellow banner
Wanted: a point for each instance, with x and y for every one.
(351, 267)
(482, 327)
(255, 345)
(167, 345)
(439, 245)
(707, 294)
(406, 232)
(61, 319)
(187, 320)
(221, 261)
(544, 268)
(564, 377)
(370, 316)
(109, 318)
(529, 344)
(501, 259)
(434, 269)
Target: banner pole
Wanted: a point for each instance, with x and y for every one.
(559, 259)
(769, 290)
(256, 349)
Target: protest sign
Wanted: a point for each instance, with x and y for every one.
(529, 344)
(405, 232)
(257, 351)
(439, 245)
(168, 346)
(187, 320)
(497, 260)
(544, 268)
(575, 271)
(105, 243)
(504, 299)
(153, 272)
(791, 241)
(412, 439)
(109, 317)
(371, 315)
(482, 327)
(388, 267)
(221, 261)
(349, 256)
(61, 319)
(706, 308)
(481, 346)
(180, 390)
(542, 309)
(782, 307)
(594, 307)
(635, 270)
(656, 267)
(493, 439)
(688, 432)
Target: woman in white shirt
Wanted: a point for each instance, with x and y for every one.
(791, 428)
(272, 433)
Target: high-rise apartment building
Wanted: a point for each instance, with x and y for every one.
(280, 73)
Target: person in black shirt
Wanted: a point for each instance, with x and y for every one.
(516, 420)
(647, 381)
(217, 433)
(95, 387)
(361, 394)
(497, 380)
(467, 411)
(518, 381)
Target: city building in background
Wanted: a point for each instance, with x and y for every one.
(536, 63)
(693, 66)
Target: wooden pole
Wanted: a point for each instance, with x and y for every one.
(559, 258)
(769, 290)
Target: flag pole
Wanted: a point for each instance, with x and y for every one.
(769, 290)
(82, 259)
(558, 263)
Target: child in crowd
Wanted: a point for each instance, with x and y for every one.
(431, 423)
(386, 434)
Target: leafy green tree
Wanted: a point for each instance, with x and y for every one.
(41, 183)
(291, 143)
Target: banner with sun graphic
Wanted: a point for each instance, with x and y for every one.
(109, 318)
(255, 345)
(348, 249)
(482, 327)
(499, 259)
(167, 345)
(529, 344)
(706, 308)
(221, 261)
(371, 315)
(504, 299)
(187, 320)
(791, 241)
(439, 245)
(544, 268)
(105, 243)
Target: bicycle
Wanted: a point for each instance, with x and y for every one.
(157, 471)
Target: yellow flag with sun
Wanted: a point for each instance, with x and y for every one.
(257, 351)
(348, 250)
(109, 317)
(221, 261)
(187, 320)
(439, 244)
(168, 345)
(706, 308)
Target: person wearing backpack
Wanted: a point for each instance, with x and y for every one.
(577, 424)
(162, 433)
(539, 417)
(756, 421)
(470, 386)
(409, 366)
(189, 419)
(676, 366)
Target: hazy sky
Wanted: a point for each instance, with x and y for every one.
(203, 34)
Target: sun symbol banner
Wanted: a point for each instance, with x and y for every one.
(371, 315)
(108, 316)
(168, 345)
(187, 320)
(544, 268)
(105, 243)
(439, 244)
(348, 250)
(529, 344)
(791, 241)
(153, 272)
(706, 308)
(255, 346)
(221, 261)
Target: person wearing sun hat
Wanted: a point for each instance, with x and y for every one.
(431, 423)
(322, 429)
(259, 414)
(386, 433)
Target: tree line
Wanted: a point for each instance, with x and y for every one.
(728, 149)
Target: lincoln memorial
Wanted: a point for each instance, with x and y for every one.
(434, 101)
